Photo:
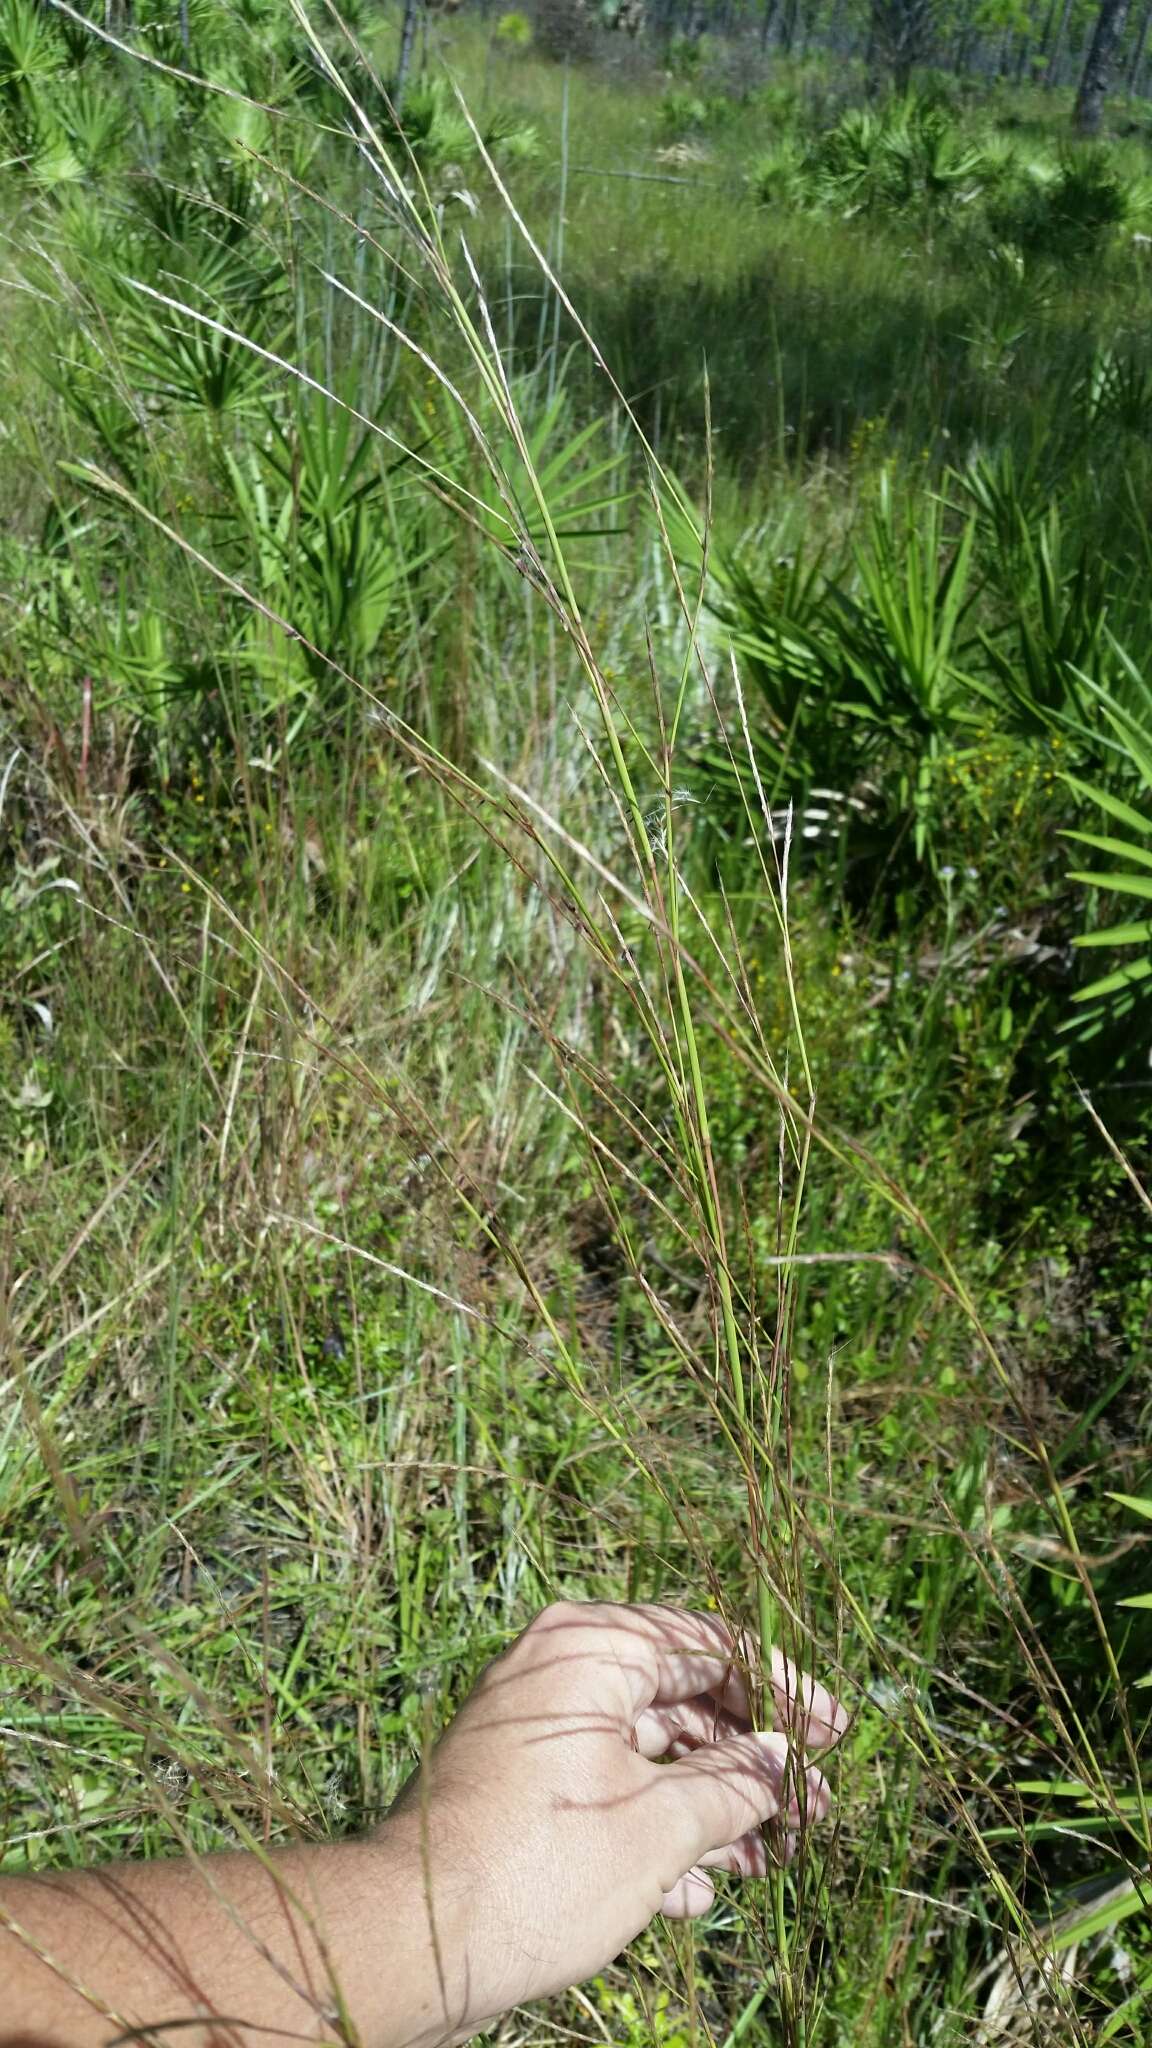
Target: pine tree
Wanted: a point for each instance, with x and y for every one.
(1102, 52)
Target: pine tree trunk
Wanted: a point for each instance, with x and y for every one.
(407, 40)
(1057, 50)
(874, 65)
(900, 36)
(1141, 45)
(1046, 31)
(967, 41)
(767, 18)
(1097, 75)
(809, 21)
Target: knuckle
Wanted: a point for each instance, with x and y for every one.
(557, 1614)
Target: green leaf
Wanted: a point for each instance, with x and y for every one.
(1123, 978)
(1122, 812)
(1123, 2013)
(1136, 742)
(1055, 1788)
(1120, 1904)
(1122, 885)
(1077, 1826)
(1139, 1505)
(1137, 1600)
(1122, 847)
(1117, 935)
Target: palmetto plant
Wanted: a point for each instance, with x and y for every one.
(64, 123)
(805, 754)
(208, 228)
(96, 120)
(907, 626)
(907, 156)
(201, 303)
(94, 394)
(433, 132)
(773, 621)
(32, 59)
(327, 542)
(50, 158)
(32, 53)
(1114, 998)
(246, 40)
(1009, 499)
(179, 301)
(1045, 642)
(1116, 392)
(901, 644)
(865, 662)
(1055, 633)
(780, 176)
(927, 164)
(1090, 198)
(202, 365)
(581, 480)
(186, 224)
(1142, 1506)
(1065, 212)
(847, 160)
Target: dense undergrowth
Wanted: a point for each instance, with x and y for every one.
(559, 985)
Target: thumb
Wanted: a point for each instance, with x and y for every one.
(722, 1790)
(693, 1895)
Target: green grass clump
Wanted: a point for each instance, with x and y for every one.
(549, 1045)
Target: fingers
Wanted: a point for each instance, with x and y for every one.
(622, 1661)
(720, 1792)
(805, 1707)
(625, 1658)
(802, 1706)
(746, 1858)
(693, 1895)
(674, 1731)
(753, 1855)
(698, 1653)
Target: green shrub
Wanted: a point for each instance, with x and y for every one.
(513, 31)
(779, 177)
(1118, 999)
(1067, 214)
(693, 113)
(686, 56)
(910, 156)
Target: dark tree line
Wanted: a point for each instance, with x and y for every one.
(1107, 41)
(1095, 45)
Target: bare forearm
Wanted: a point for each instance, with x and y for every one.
(323, 1944)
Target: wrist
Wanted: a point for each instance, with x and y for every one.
(423, 1938)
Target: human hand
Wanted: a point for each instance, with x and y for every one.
(543, 1828)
